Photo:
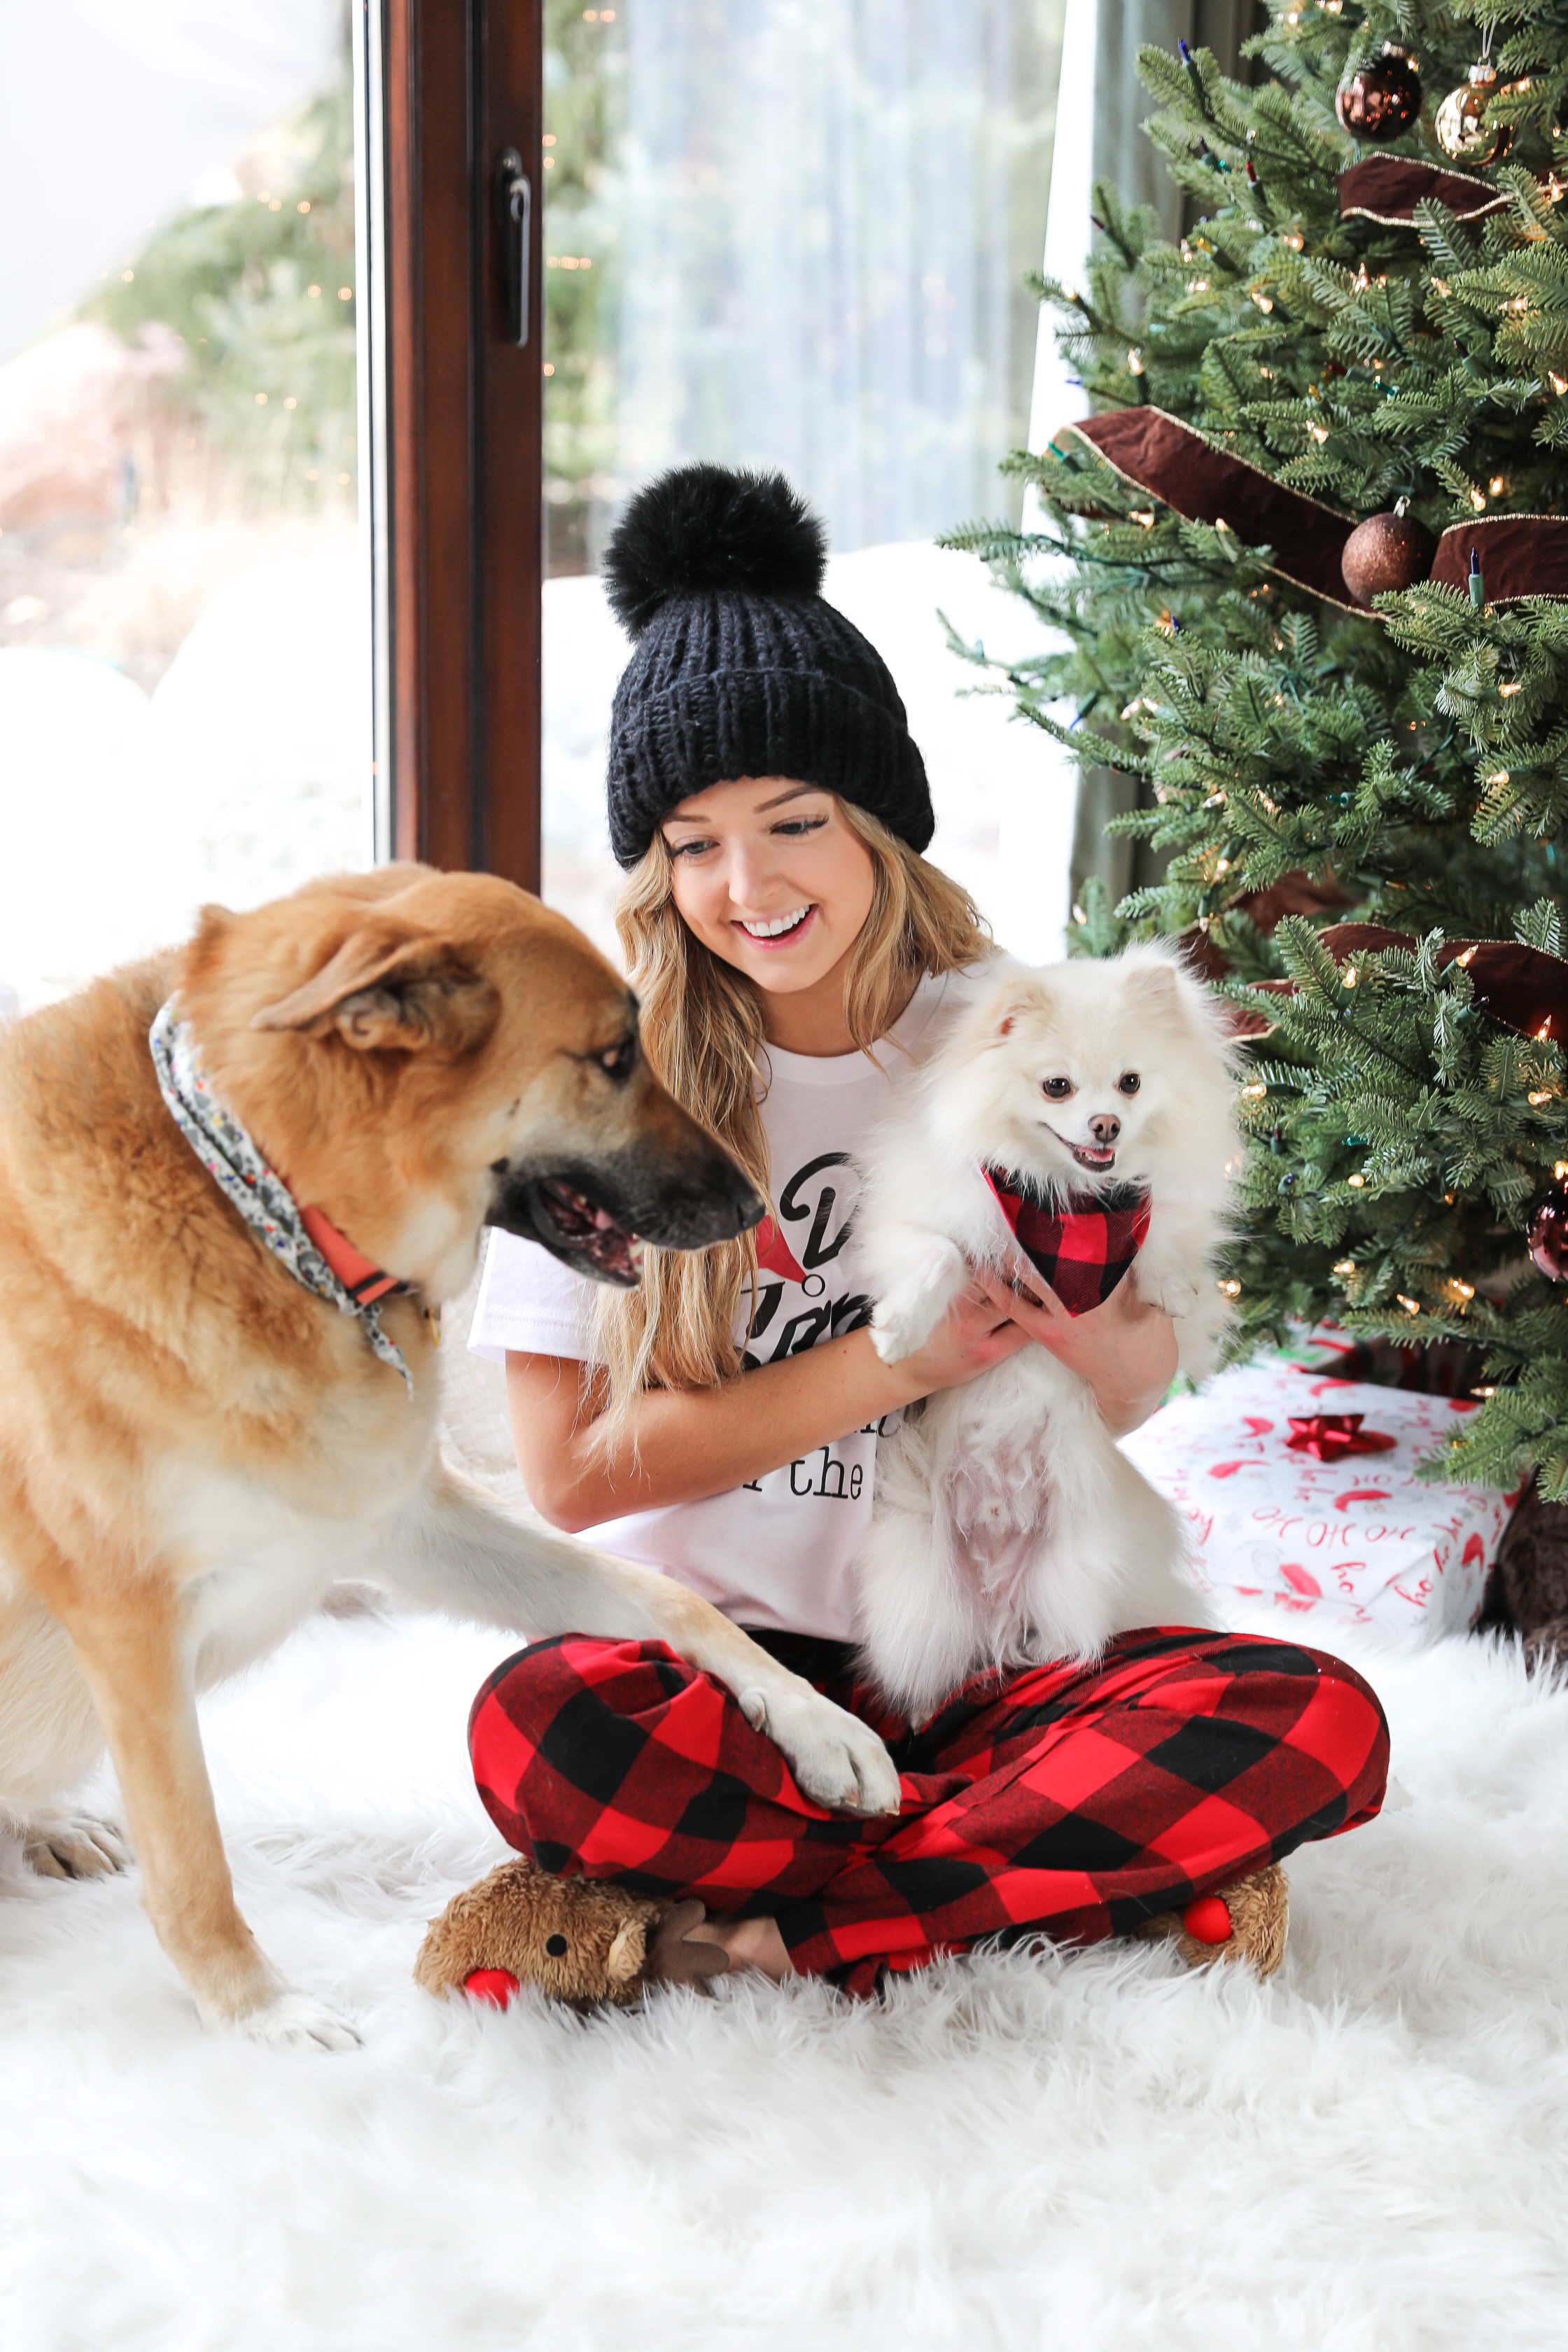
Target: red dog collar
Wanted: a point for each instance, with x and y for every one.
(1081, 1249)
(364, 1282)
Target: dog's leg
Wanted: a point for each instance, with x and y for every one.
(935, 1271)
(134, 1663)
(1175, 1274)
(50, 1739)
(452, 1548)
(1112, 1550)
(1174, 1262)
(913, 1602)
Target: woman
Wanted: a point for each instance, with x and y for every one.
(791, 947)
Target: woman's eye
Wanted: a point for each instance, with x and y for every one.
(796, 825)
(1058, 1089)
(1130, 1082)
(688, 848)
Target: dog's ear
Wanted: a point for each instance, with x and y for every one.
(1022, 995)
(385, 991)
(1154, 981)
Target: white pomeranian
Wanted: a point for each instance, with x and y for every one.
(1074, 1121)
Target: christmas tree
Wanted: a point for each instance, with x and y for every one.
(261, 292)
(1310, 584)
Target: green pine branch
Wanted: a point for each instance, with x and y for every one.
(1410, 764)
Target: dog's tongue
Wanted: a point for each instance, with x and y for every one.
(1094, 1155)
(614, 1249)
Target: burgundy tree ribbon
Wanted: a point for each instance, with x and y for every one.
(1387, 189)
(1157, 453)
(1519, 555)
(1524, 989)
(1330, 1436)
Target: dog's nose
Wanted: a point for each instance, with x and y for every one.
(1104, 1127)
(748, 1205)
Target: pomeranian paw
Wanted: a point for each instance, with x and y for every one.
(898, 1326)
(907, 1314)
(1173, 1292)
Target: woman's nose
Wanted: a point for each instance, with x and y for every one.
(750, 871)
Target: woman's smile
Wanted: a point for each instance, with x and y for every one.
(777, 930)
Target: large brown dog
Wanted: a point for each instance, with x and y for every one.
(193, 1444)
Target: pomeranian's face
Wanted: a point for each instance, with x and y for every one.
(1086, 1066)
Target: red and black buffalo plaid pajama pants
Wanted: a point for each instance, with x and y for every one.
(1066, 1801)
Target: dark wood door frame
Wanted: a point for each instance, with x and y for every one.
(460, 544)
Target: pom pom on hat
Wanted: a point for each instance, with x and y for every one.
(706, 528)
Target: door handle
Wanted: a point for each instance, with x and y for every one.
(514, 199)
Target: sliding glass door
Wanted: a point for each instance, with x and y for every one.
(184, 643)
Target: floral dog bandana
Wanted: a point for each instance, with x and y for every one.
(263, 1200)
(1083, 1249)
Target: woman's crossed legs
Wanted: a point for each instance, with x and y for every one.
(1074, 1802)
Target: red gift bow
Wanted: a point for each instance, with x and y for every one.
(1332, 1435)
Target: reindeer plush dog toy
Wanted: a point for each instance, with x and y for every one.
(581, 1940)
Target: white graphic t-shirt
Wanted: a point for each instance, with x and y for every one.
(777, 1552)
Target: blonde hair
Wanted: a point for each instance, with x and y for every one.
(702, 1031)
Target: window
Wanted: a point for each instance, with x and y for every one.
(184, 644)
(795, 233)
(272, 538)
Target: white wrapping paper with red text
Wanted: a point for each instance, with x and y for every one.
(1358, 1537)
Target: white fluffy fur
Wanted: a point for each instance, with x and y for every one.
(1011, 2152)
(1008, 1527)
(1015, 2153)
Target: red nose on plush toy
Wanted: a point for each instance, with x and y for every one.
(1081, 1249)
(497, 1987)
(1207, 1920)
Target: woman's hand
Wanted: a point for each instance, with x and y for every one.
(1124, 1350)
(979, 1329)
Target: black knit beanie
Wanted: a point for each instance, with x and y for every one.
(739, 667)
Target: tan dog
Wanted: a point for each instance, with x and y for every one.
(193, 1444)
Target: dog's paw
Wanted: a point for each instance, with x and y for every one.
(294, 2020)
(890, 1341)
(73, 1845)
(899, 1326)
(1172, 1294)
(1197, 1348)
(837, 1760)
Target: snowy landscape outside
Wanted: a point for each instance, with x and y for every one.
(184, 644)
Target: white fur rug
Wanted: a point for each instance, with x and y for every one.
(1021, 2150)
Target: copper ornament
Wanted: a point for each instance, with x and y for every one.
(1548, 1233)
(1382, 97)
(1386, 551)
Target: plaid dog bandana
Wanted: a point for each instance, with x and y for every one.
(260, 1195)
(1081, 1249)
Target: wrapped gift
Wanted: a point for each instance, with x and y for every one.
(1301, 1495)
